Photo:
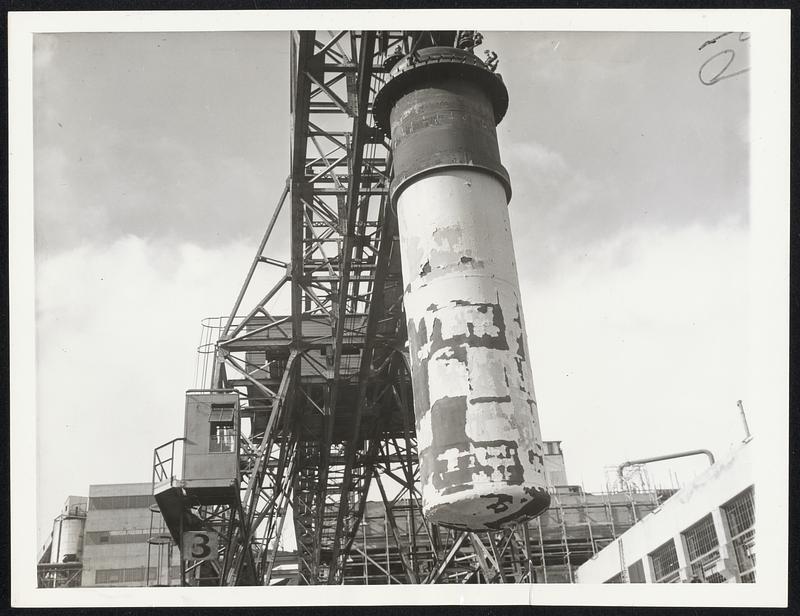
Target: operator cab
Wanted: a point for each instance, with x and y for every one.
(211, 446)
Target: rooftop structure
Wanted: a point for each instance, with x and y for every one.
(61, 558)
(704, 533)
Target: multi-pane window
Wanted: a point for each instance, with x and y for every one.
(134, 501)
(665, 563)
(636, 573)
(702, 545)
(223, 438)
(134, 574)
(617, 579)
(123, 536)
(160, 575)
(131, 575)
(108, 576)
(223, 433)
(740, 513)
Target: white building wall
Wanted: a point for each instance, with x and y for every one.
(554, 468)
(707, 493)
(134, 521)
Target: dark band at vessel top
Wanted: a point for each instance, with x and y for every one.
(440, 110)
(438, 63)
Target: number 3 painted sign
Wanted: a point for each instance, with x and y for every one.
(200, 545)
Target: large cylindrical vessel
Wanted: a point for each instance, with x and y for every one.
(67, 539)
(479, 441)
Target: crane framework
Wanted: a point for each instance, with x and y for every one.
(326, 388)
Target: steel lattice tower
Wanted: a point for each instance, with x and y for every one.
(327, 388)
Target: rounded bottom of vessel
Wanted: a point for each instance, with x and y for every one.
(487, 508)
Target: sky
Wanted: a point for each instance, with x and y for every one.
(158, 158)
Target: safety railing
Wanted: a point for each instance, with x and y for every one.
(164, 462)
(77, 511)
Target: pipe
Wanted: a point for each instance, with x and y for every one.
(480, 446)
(744, 420)
(682, 454)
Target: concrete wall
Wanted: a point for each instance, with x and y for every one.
(554, 468)
(132, 523)
(706, 494)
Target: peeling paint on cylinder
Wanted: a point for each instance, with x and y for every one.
(477, 423)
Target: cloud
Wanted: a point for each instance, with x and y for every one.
(134, 134)
(127, 182)
(611, 133)
(117, 330)
(647, 353)
(645, 358)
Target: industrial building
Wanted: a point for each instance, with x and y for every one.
(115, 537)
(701, 532)
(704, 533)
(395, 545)
(125, 543)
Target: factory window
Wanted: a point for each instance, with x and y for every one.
(636, 573)
(108, 576)
(703, 548)
(131, 575)
(134, 574)
(740, 513)
(665, 563)
(133, 501)
(115, 537)
(617, 579)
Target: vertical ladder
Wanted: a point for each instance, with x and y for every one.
(623, 569)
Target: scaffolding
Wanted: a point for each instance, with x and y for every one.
(59, 575)
(159, 551)
(395, 546)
